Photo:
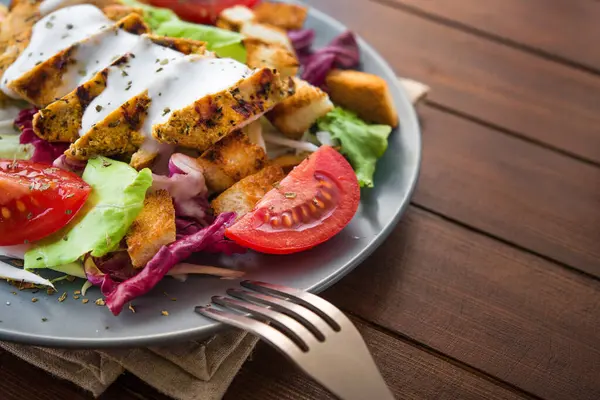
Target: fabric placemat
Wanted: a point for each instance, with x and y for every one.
(188, 371)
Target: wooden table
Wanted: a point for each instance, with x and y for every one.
(489, 287)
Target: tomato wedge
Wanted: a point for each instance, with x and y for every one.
(36, 200)
(309, 206)
(201, 11)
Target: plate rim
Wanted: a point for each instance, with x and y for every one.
(209, 329)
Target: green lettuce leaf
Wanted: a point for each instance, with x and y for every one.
(73, 269)
(165, 22)
(362, 144)
(117, 197)
(11, 149)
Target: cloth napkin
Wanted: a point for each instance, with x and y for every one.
(188, 371)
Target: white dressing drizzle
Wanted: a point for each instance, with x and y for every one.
(94, 54)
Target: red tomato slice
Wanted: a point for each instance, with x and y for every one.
(200, 11)
(36, 200)
(309, 206)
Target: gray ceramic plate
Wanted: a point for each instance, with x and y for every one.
(73, 324)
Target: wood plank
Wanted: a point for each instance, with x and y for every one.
(410, 372)
(513, 189)
(525, 94)
(507, 313)
(567, 29)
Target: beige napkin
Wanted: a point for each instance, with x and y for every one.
(188, 371)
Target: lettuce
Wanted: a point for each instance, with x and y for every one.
(361, 143)
(118, 193)
(165, 22)
(11, 149)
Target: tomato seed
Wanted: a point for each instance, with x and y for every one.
(287, 221)
(275, 222)
(325, 194)
(21, 206)
(5, 212)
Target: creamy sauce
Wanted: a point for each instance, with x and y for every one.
(54, 33)
(94, 54)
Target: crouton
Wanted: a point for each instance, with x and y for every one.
(260, 54)
(118, 11)
(234, 18)
(297, 113)
(153, 228)
(231, 159)
(287, 162)
(267, 34)
(243, 196)
(214, 116)
(365, 94)
(281, 15)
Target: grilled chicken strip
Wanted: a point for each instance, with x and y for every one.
(61, 120)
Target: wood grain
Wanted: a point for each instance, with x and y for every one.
(410, 372)
(512, 189)
(565, 29)
(520, 92)
(507, 313)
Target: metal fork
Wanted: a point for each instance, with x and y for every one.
(310, 331)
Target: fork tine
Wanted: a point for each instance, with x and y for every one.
(271, 335)
(321, 307)
(310, 320)
(289, 326)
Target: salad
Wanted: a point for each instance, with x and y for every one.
(131, 139)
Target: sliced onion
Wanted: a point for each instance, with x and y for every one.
(254, 132)
(7, 271)
(185, 268)
(326, 139)
(295, 144)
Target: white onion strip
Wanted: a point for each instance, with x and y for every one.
(275, 139)
(185, 268)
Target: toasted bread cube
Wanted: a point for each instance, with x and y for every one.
(243, 196)
(153, 228)
(365, 94)
(262, 54)
(118, 11)
(287, 162)
(281, 15)
(231, 159)
(233, 18)
(297, 113)
(267, 34)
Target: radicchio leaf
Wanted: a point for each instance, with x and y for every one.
(342, 52)
(166, 258)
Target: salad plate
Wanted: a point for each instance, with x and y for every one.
(166, 314)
